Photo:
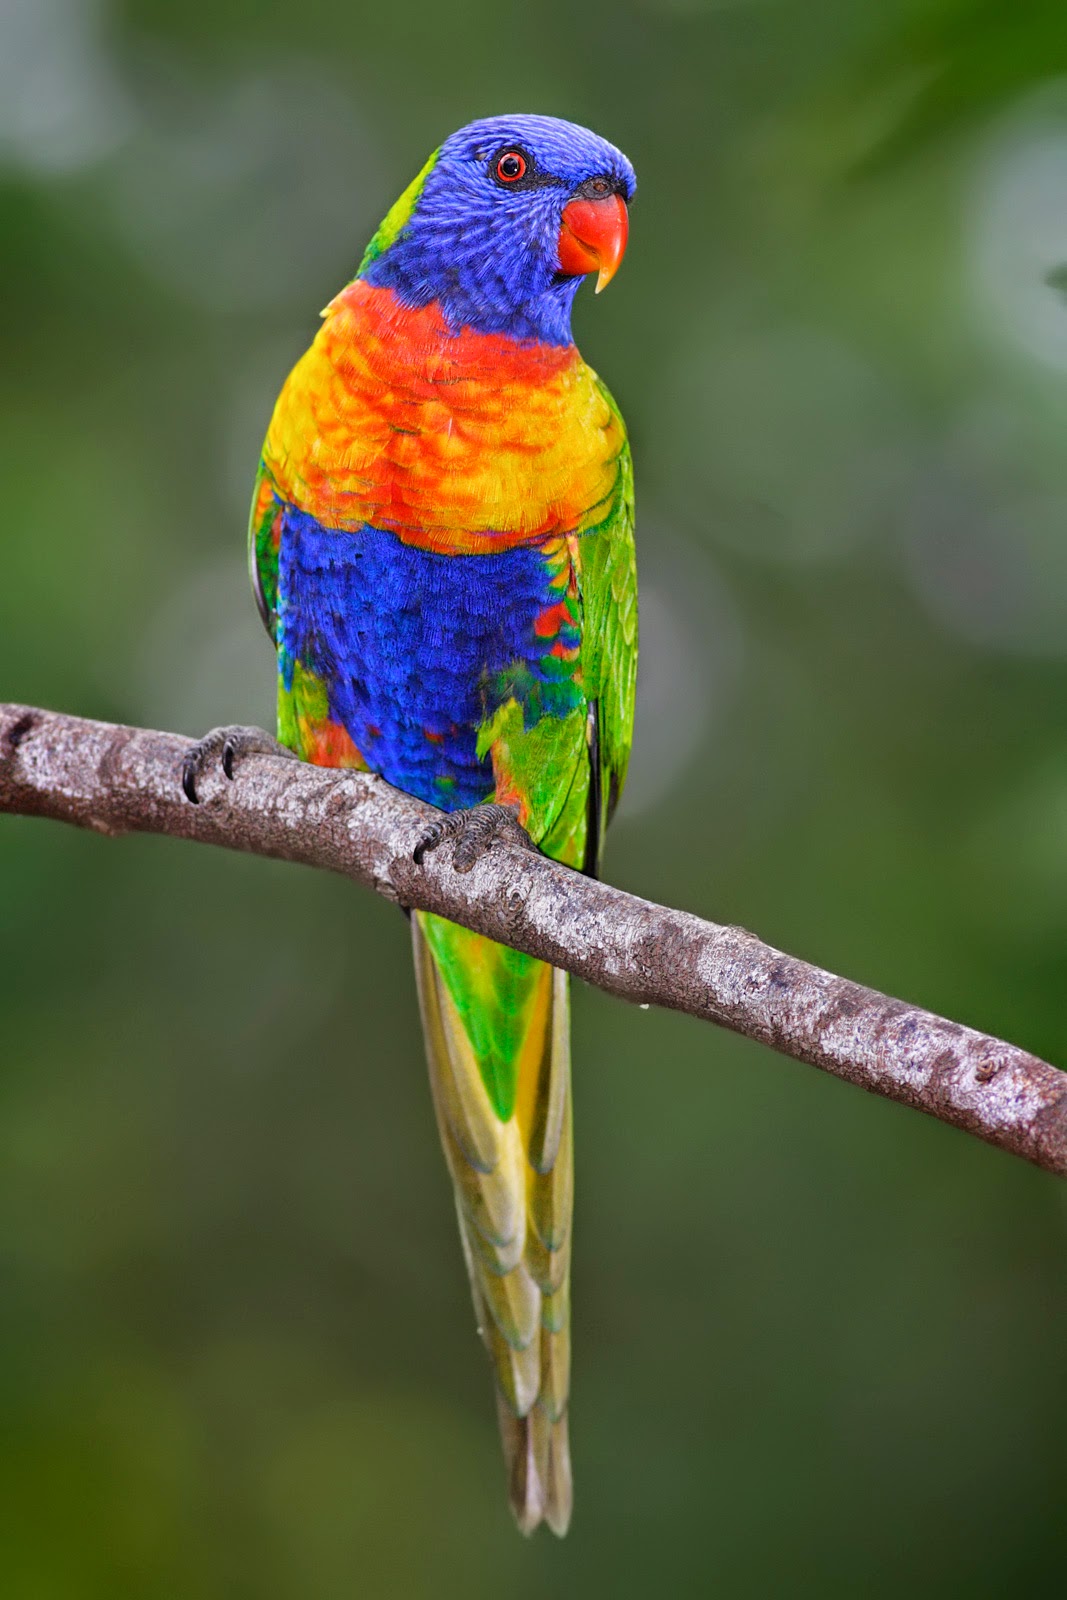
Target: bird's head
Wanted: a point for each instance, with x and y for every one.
(502, 224)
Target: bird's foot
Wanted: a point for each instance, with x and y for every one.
(228, 744)
(474, 830)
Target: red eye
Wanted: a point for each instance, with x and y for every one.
(511, 167)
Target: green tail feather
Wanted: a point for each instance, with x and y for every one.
(497, 1032)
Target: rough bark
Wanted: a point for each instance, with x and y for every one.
(117, 780)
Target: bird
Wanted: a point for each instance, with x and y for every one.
(441, 546)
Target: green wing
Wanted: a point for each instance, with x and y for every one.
(609, 647)
(264, 532)
(568, 765)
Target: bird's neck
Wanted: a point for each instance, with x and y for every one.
(476, 288)
(461, 443)
(419, 345)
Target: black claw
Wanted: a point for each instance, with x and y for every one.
(196, 761)
(428, 842)
(229, 744)
(189, 778)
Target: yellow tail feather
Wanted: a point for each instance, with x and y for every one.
(514, 1186)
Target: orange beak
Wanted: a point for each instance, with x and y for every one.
(593, 237)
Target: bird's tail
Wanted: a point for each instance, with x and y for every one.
(497, 1030)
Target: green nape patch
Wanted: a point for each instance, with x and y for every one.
(494, 989)
(397, 217)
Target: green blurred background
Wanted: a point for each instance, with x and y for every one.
(819, 1340)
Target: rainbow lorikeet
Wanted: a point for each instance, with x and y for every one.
(442, 551)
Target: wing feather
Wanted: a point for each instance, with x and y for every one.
(609, 643)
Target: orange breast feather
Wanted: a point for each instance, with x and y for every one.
(455, 442)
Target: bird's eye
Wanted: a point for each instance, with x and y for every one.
(600, 186)
(511, 166)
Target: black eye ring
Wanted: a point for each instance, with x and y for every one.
(510, 166)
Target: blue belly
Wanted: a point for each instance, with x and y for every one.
(415, 649)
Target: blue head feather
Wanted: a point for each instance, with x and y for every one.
(488, 251)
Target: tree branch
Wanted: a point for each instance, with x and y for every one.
(117, 780)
